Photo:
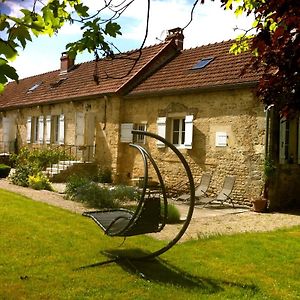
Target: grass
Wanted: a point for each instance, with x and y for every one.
(49, 253)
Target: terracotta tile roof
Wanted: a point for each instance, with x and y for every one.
(113, 78)
(176, 76)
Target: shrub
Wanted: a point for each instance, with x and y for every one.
(21, 174)
(39, 182)
(4, 170)
(41, 158)
(104, 175)
(75, 182)
(82, 189)
(124, 193)
(173, 214)
(95, 196)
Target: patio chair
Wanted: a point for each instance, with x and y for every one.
(224, 195)
(200, 190)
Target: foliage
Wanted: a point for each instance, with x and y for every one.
(276, 49)
(4, 170)
(30, 162)
(39, 182)
(22, 173)
(269, 168)
(173, 214)
(40, 158)
(48, 245)
(104, 175)
(84, 190)
(47, 19)
(124, 193)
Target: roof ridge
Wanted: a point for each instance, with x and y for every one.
(209, 44)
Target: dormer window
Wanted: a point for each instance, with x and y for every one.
(202, 63)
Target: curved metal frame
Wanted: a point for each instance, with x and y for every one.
(192, 192)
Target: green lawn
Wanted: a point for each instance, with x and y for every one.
(48, 253)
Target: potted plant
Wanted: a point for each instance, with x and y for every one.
(260, 204)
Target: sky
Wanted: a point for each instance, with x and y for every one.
(210, 24)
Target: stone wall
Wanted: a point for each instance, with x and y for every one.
(235, 112)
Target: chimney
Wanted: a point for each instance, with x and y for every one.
(66, 63)
(176, 35)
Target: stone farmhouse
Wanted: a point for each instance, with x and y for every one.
(195, 98)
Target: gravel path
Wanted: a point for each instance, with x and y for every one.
(205, 222)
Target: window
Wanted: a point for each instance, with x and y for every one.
(140, 138)
(289, 141)
(202, 63)
(177, 130)
(128, 137)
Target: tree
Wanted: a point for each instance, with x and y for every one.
(39, 19)
(276, 50)
(274, 39)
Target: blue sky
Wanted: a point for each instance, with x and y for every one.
(210, 24)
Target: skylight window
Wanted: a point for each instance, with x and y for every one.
(34, 87)
(202, 63)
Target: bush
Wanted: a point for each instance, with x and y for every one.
(21, 174)
(41, 158)
(82, 189)
(4, 170)
(75, 182)
(104, 175)
(124, 193)
(173, 214)
(39, 182)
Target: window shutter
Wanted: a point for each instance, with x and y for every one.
(126, 132)
(48, 129)
(6, 124)
(41, 130)
(188, 137)
(61, 130)
(28, 129)
(282, 141)
(79, 130)
(161, 130)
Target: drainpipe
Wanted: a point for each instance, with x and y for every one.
(267, 112)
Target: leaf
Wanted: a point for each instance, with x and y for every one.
(9, 72)
(8, 50)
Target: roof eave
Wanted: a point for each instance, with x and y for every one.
(192, 90)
